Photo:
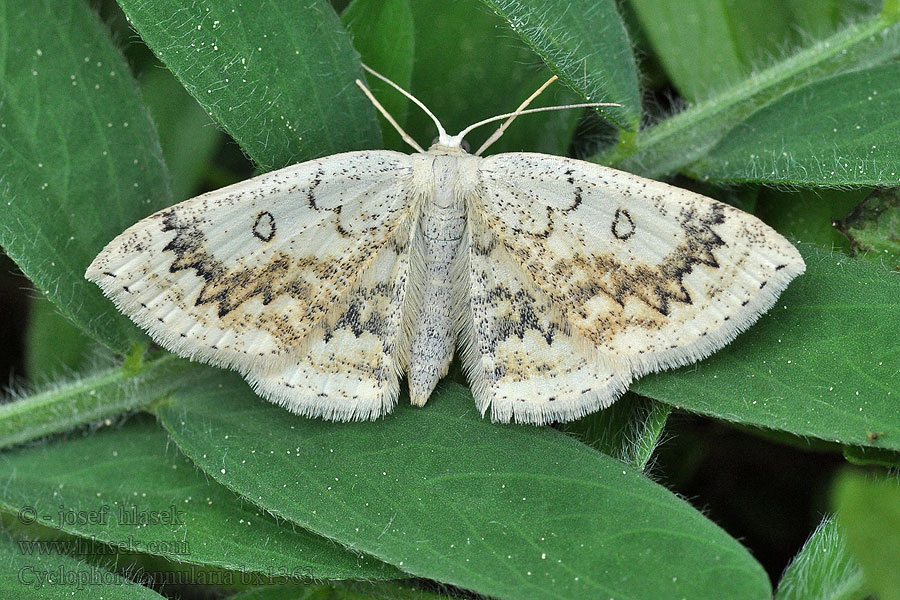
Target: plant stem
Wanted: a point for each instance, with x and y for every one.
(86, 400)
(676, 142)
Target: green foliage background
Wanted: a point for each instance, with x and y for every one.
(787, 109)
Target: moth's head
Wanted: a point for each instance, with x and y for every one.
(447, 144)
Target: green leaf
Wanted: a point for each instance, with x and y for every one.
(881, 457)
(53, 344)
(824, 362)
(839, 131)
(628, 430)
(52, 576)
(338, 590)
(74, 136)
(873, 229)
(188, 136)
(370, 23)
(673, 143)
(868, 512)
(507, 511)
(274, 73)
(125, 486)
(490, 74)
(705, 45)
(823, 569)
(586, 44)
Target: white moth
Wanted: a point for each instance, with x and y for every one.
(559, 280)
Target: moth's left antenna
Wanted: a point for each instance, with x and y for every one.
(442, 134)
(456, 140)
(406, 137)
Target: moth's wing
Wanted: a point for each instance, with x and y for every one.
(521, 357)
(348, 368)
(650, 274)
(241, 276)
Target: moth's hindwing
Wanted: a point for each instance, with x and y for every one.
(348, 368)
(521, 356)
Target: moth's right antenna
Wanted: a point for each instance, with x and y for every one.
(510, 117)
(456, 140)
(496, 135)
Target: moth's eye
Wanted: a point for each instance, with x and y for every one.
(464, 145)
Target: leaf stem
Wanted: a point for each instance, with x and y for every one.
(101, 395)
(676, 142)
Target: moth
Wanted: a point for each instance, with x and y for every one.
(559, 281)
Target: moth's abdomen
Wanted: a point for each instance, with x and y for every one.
(437, 246)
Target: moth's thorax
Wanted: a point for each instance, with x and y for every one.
(445, 175)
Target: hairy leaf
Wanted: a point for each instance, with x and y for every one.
(491, 73)
(273, 73)
(586, 44)
(823, 569)
(35, 575)
(129, 487)
(839, 131)
(74, 136)
(869, 516)
(674, 143)
(824, 362)
(507, 511)
(728, 38)
(100, 395)
(370, 23)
